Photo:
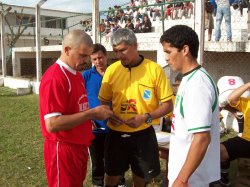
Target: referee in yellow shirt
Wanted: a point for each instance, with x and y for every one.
(140, 94)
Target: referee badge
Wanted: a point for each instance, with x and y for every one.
(147, 95)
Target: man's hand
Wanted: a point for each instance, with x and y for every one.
(102, 112)
(116, 121)
(136, 121)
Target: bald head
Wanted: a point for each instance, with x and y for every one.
(76, 49)
(76, 38)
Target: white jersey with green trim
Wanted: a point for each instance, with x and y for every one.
(196, 110)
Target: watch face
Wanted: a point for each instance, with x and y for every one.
(149, 120)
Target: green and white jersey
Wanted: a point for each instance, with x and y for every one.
(196, 110)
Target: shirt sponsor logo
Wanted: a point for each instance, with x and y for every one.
(83, 103)
(147, 95)
(128, 107)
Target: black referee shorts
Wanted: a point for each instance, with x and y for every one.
(237, 147)
(138, 150)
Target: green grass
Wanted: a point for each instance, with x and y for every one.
(21, 143)
(21, 160)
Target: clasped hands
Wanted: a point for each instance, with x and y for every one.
(103, 112)
(133, 122)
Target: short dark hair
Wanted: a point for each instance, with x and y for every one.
(99, 47)
(180, 35)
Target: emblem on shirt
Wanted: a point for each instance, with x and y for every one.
(129, 107)
(147, 95)
(83, 103)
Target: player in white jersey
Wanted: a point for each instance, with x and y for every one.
(194, 155)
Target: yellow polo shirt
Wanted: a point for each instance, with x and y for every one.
(244, 106)
(134, 91)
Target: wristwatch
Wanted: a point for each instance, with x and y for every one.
(149, 118)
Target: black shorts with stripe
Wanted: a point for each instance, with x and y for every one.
(139, 150)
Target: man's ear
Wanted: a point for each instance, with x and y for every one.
(66, 50)
(186, 50)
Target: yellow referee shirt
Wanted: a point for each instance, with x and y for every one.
(243, 106)
(134, 91)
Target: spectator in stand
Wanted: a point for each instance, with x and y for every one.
(132, 3)
(242, 4)
(156, 10)
(113, 27)
(188, 9)
(137, 13)
(116, 12)
(88, 28)
(209, 20)
(102, 27)
(116, 25)
(109, 18)
(109, 32)
(121, 16)
(111, 14)
(129, 24)
(214, 5)
(137, 3)
(178, 10)
(138, 26)
(168, 10)
(129, 13)
(108, 27)
(143, 9)
(146, 24)
(223, 10)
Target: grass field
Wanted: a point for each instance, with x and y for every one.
(21, 143)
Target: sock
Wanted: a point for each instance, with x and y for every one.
(225, 172)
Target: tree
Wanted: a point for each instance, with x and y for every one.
(15, 34)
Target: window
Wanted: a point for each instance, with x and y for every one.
(25, 19)
(54, 22)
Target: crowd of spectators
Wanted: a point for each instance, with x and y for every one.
(138, 15)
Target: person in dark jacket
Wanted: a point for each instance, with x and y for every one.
(146, 24)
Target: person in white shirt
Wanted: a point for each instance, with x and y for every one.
(194, 153)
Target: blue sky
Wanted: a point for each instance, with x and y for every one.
(83, 6)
